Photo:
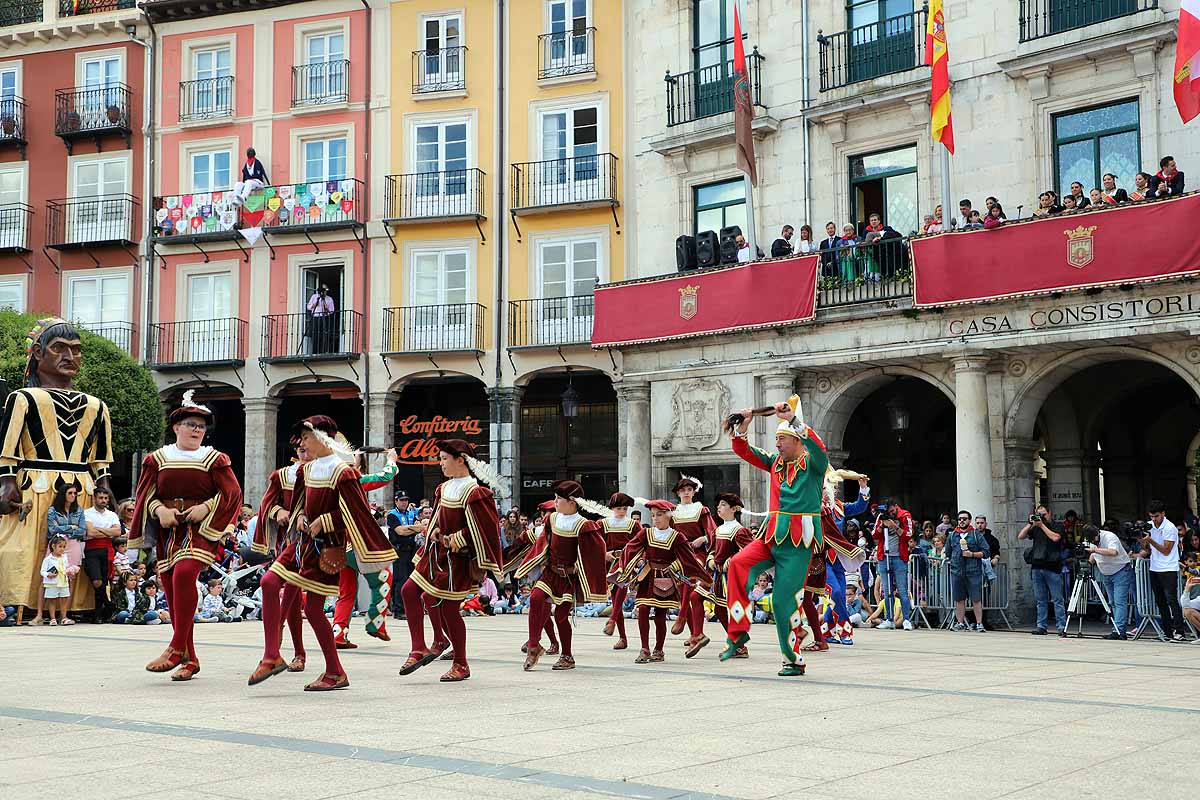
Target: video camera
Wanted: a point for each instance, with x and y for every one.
(885, 516)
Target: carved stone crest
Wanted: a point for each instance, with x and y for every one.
(698, 407)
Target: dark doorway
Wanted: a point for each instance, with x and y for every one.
(336, 399)
(446, 408)
(556, 447)
(915, 466)
(228, 433)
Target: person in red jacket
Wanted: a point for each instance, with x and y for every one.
(892, 529)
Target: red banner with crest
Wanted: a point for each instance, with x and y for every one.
(1126, 244)
(763, 294)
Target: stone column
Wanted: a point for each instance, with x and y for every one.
(1190, 481)
(1019, 480)
(635, 456)
(504, 437)
(381, 409)
(1065, 476)
(973, 442)
(774, 387)
(261, 421)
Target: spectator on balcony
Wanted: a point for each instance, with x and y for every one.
(1081, 199)
(1169, 180)
(783, 245)
(1141, 186)
(1112, 194)
(1069, 206)
(930, 225)
(743, 250)
(829, 244)
(937, 215)
(974, 222)
(806, 244)
(995, 217)
(889, 254)
(964, 213)
(988, 203)
(254, 177)
(321, 309)
(1047, 205)
(846, 258)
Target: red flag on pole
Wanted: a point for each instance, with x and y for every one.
(937, 55)
(1186, 78)
(743, 111)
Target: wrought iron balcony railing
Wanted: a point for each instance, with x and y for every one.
(870, 51)
(454, 327)
(20, 12)
(708, 91)
(567, 53)
(304, 337)
(14, 227)
(119, 333)
(441, 70)
(12, 121)
(196, 216)
(1040, 18)
(551, 321)
(207, 341)
(82, 222)
(452, 194)
(83, 112)
(208, 98)
(77, 8)
(320, 205)
(576, 181)
(864, 273)
(321, 83)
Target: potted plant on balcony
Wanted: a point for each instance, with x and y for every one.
(71, 123)
(114, 114)
(8, 124)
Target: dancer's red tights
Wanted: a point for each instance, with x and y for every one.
(179, 584)
(814, 621)
(660, 626)
(314, 609)
(618, 609)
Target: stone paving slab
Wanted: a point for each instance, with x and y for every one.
(924, 715)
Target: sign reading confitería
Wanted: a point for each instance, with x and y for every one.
(416, 438)
(1076, 314)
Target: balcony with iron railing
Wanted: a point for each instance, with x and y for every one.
(206, 99)
(551, 321)
(428, 196)
(448, 328)
(196, 217)
(584, 181)
(566, 54)
(14, 227)
(321, 83)
(708, 91)
(78, 223)
(12, 123)
(207, 342)
(864, 273)
(119, 333)
(894, 45)
(93, 113)
(439, 70)
(307, 207)
(20, 12)
(78, 8)
(305, 337)
(1038, 18)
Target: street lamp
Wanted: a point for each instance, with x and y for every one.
(570, 399)
(898, 417)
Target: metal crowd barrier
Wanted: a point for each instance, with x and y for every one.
(929, 588)
(1144, 608)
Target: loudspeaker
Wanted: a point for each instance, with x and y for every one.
(729, 244)
(708, 249)
(685, 253)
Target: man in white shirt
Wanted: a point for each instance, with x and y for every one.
(321, 308)
(1116, 573)
(1162, 543)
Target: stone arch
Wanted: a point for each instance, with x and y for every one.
(277, 388)
(398, 385)
(1028, 400)
(167, 393)
(556, 369)
(840, 405)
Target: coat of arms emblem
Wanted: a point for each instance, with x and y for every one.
(689, 301)
(1079, 246)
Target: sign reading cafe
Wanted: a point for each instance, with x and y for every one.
(1077, 314)
(416, 439)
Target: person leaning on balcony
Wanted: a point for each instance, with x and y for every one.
(783, 245)
(1081, 199)
(1141, 186)
(320, 307)
(1111, 193)
(806, 244)
(995, 217)
(829, 246)
(1169, 180)
(846, 263)
(1046, 205)
(254, 177)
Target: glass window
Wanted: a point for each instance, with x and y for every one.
(214, 63)
(96, 300)
(211, 171)
(1094, 141)
(325, 160)
(569, 269)
(440, 278)
(12, 295)
(721, 205)
(885, 183)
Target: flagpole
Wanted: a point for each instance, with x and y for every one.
(750, 232)
(949, 207)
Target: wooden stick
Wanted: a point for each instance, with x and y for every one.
(736, 418)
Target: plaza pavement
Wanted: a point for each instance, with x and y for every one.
(922, 715)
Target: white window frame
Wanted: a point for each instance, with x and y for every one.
(24, 222)
(547, 21)
(549, 192)
(71, 277)
(17, 67)
(197, 146)
(191, 173)
(324, 140)
(192, 51)
(73, 163)
(211, 339)
(437, 326)
(443, 74)
(549, 330)
(305, 31)
(21, 282)
(301, 136)
(85, 56)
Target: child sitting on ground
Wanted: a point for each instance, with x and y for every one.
(156, 604)
(128, 601)
(212, 607)
(55, 585)
(854, 605)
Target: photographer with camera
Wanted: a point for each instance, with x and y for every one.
(1161, 541)
(1046, 559)
(1105, 550)
(893, 527)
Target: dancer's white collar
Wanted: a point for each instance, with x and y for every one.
(174, 451)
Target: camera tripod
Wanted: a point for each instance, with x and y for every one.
(1077, 607)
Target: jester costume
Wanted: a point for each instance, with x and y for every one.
(844, 558)
(380, 583)
(791, 535)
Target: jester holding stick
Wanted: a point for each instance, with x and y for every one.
(791, 534)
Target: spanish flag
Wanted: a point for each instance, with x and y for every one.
(937, 56)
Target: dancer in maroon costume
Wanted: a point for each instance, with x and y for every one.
(728, 538)
(515, 553)
(694, 522)
(618, 530)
